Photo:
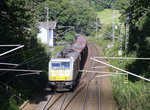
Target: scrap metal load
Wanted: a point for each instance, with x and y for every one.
(64, 67)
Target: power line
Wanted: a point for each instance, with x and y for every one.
(65, 31)
(22, 64)
(21, 52)
(120, 69)
(123, 58)
(26, 74)
(20, 70)
(11, 50)
(25, 58)
(11, 64)
(9, 45)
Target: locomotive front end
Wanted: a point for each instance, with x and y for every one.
(60, 73)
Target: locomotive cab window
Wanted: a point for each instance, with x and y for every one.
(65, 65)
(55, 65)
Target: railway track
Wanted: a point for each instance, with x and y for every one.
(86, 95)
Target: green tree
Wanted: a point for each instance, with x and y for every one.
(77, 13)
(18, 26)
(138, 12)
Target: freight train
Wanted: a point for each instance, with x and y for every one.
(64, 67)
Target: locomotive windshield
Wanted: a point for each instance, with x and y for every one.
(65, 65)
(55, 65)
(60, 65)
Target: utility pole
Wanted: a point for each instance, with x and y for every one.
(47, 9)
(127, 35)
(113, 27)
(96, 28)
(48, 37)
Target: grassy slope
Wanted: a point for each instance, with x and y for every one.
(106, 16)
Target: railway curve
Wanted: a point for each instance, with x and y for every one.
(90, 94)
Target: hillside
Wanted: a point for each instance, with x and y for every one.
(106, 16)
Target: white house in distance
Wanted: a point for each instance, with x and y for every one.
(47, 32)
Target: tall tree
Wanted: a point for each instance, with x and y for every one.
(16, 22)
(139, 13)
(76, 13)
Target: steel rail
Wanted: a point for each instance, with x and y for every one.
(80, 89)
(85, 83)
(98, 94)
(55, 101)
(44, 108)
(64, 101)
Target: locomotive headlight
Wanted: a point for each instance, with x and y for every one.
(53, 78)
(67, 78)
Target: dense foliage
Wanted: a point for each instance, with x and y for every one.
(18, 26)
(138, 14)
(135, 93)
(99, 5)
(139, 22)
(77, 13)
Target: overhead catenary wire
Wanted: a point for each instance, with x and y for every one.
(25, 58)
(10, 64)
(100, 72)
(22, 64)
(13, 57)
(21, 52)
(16, 65)
(19, 70)
(129, 58)
(9, 45)
(114, 74)
(120, 69)
(36, 63)
(103, 30)
(66, 31)
(4, 53)
(26, 74)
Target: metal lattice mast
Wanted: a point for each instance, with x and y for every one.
(113, 27)
(121, 44)
(47, 9)
(127, 37)
(96, 28)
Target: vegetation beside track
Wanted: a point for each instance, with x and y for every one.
(131, 93)
(18, 25)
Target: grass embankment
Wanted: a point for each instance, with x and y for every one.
(130, 94)
(106, 16)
